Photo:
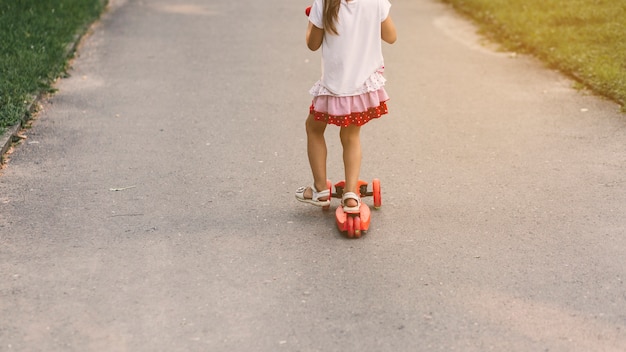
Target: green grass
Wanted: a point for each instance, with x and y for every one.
(34, 39)
(585, 39)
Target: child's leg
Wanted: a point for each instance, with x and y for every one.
(316, 150)
(351, 142)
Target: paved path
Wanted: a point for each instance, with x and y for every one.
(151, 207)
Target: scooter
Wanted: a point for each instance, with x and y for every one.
(356, 224)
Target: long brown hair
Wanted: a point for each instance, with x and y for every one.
(331, 14)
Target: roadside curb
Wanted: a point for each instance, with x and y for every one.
(6, 139)
(10, 134)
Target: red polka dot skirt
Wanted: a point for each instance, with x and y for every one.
(351, 110)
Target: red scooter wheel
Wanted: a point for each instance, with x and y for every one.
(350, 226)
(378, 201)
(357, 226)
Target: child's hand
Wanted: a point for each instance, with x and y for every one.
(307, 11)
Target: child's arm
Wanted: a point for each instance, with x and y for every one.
(388, 30)
(314, 37)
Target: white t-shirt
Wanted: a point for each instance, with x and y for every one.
(350, 58)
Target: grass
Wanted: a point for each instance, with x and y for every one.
(585, 39)
(34, 39)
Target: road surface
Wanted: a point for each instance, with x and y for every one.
(151, 207)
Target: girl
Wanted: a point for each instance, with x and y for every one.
(351, 91)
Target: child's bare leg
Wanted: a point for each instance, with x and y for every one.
(316, 150)
(351, 142)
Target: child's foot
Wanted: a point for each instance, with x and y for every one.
(351, 202)
(312, 196)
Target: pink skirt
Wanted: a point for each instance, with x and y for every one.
(352, 110)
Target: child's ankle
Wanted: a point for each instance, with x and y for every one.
(320, 189)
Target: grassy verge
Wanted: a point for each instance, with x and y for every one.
(34, 39)
(585, 39)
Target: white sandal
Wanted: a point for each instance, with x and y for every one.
(351, 195)
(315, 200)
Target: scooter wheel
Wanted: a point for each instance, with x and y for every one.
(357, 226)
(350, 226)
(378, 201)
(329, 186)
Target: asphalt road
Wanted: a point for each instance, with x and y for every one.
(151, 207)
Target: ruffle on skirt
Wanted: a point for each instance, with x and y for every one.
(373, 83)
(351, 110)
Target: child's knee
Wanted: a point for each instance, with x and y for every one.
(313, 126)
(350, 135)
